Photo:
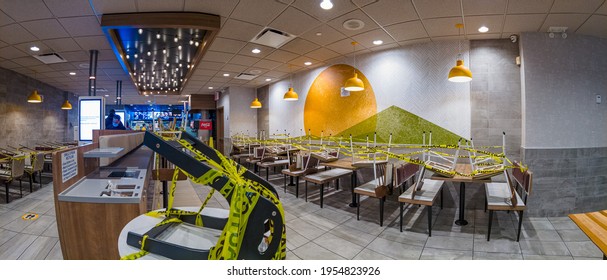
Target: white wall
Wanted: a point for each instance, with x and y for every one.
(242, 118)
(560, 80)
(224, 101)
(411, 77)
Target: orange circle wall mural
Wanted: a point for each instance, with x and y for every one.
(326, 110)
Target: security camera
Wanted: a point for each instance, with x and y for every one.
(513, 38)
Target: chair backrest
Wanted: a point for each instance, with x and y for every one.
(384, 174)
(404, 172)
(523, 179)
(17, 167)
(38, 163)
(258, 152)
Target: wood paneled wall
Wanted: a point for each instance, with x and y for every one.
(203, 101)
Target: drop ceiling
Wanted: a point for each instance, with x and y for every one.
(72, 27)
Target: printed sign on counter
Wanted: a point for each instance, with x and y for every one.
(69, 165)
(206, 125)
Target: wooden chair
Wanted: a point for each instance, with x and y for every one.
(506, 197)
(35, 164)
(423, 192)
(308, 165)
(14, 171)
(378, 188)
(325, 177)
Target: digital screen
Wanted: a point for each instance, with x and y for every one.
(121, 114)
(90, 118)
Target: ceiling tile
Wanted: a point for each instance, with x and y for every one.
(7, 64)
(106, 55)
(26, 10)
(362, 3)
(54, 73)
(388, 12)
(294, 22)
(62, 45)
(211, 65)
(437, 8)
(484, 7)
(93, 43)
(442, 26)
(65, 66)
(407, 30)
(287, 68)
(299, 46)
(529, 7)
(25, 47)
(108, 64)
(327, 35)
(344, 46)
(82, 26)
(11, 52)
(114, 6)
(110, 72)
(76, 56)
(572, 21)
(69, 8)
(602, 10)
(384, 47)
(15, 34)
(226, 45)
(357, 14)
(4, 19)
(45, 29)
(247, 50)
(494, 23)
(234, 68)
(205, 72)
(594, 26)
(322, 54)
(267, 64)
(222, 8)
(484, 36)
(523, 23)
(239, 30)
(275, 74)
(313, 8)
(281, 56)
(568, 6)
(160, 5)
(366, 39)
(201, 78)
(244, 60)
(258, 12)
(217, 56)
(303, 59)
(27, 61)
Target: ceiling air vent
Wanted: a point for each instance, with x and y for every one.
(245, 76)
(50, 58)
(272, 38)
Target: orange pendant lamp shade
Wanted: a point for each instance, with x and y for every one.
(291, 95)
(459, 73)
(34, 97)
(256, 104)
(66, 105)
(354, 84)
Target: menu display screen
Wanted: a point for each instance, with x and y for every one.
(90, 117)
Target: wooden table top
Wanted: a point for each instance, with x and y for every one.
(461, 168)
(345, 163)
(593, 224)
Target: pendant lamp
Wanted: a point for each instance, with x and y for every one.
(34, 97)
(459, 73)
(354, 83)
(66, 105)
(256, 104)
(290, 95)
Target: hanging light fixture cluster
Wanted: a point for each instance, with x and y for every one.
(460, 73)
(354, 83)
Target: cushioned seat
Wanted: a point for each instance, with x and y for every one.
(323, 177)
(425, 194)
(377, 188)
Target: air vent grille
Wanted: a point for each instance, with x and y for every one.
(272, 38)
(245, 76)
(50, 58)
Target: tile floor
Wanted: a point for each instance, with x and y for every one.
(334, 233)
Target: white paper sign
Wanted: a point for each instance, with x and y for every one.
(69, 165)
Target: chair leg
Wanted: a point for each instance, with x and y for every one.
(40, 177)
(7, 196)
(357, 207)
(486, 203)
(442, 194)
(267, 174)
(381, 212)
(520, 224)
(284, 182)
(429, 220)
(337, 184)
(489, 226)
(31, 182)
(401, 216)
(297, 188)
(20, 188)
(306, 191)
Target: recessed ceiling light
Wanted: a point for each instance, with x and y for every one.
(149, 101)
(226, 74)
(34, 48)
(268, 79)
(483, 29)
(210, 87)
(107, 95)
(73, 73)
(256, 51)
(326, 4)
(318, 33)
(378, 42)
(308, 63)
(140, 31)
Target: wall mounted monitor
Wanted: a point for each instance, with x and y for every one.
(90, 116)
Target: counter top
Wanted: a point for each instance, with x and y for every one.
(128, 185)
(103, 152)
